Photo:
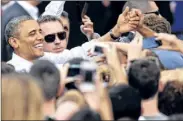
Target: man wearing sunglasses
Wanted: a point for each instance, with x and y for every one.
(26, 38)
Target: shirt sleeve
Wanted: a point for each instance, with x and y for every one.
(76, 52)
(54, 8)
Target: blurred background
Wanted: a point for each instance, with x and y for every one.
(104, 15)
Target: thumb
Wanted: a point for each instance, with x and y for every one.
(125, 12)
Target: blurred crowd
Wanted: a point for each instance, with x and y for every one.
(134, 71)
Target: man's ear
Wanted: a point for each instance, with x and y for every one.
(13, 42)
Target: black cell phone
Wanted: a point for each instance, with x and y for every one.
(85, 9)
(98, 49)
(73, 70)
(71, 85)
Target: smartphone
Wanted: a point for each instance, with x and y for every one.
(88, 74)
(98, 49)
(71, 86)
(74, 70)
(85, 9)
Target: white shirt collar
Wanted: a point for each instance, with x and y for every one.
(20, 64)
(32, 10)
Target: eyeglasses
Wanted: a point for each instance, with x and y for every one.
(51, 37)
(154, 12)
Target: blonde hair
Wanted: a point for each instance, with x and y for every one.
(172, 75)
(22, 99)
(74, 96)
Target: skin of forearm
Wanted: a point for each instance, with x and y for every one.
(145, 31)
(107, 37)
(106, 109)
(179, 45)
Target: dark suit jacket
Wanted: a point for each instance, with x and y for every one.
(13, 11)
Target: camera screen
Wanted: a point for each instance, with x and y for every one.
(88, 77)
(73, 72)
(98, 49)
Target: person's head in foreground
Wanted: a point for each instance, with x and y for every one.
(86, 114)
(25, 37)
(143, 75)
(54, 34)
(48, 78)
(171, 98)
(6, 68)
(73, 95)
(22, 98)
(126, 102)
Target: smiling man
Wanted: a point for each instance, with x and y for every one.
(26, 38)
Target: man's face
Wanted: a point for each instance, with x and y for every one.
(53, 28)
(30, 41)
(66, 24)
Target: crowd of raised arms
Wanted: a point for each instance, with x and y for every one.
(133, 72)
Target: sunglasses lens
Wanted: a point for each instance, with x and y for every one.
(50, 38)
(62, 35)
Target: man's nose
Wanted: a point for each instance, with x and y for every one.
(40, 37)
(57, 40)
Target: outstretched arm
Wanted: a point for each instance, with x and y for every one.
(54, 8)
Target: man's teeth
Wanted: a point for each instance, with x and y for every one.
(39, 46)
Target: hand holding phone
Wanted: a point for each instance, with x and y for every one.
(88, 74)
(85, 9)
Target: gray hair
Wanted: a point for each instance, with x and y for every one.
(49, 18)
(143, 5)
(13, 27)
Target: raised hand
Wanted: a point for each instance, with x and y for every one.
(87, 27)
(170, 38)
(128, 20)
(135, 48)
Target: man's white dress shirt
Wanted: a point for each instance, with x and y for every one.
(32, 10)
(22, 65)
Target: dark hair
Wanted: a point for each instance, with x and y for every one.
(7, 68)
(126, 102)
(48, 77)
(157, 23)
(65, 14)
(86, 114)
(143, 75)
(13, 27)
(49, 18)
(176, 117)
(171, 98)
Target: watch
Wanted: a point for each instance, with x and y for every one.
(112, 36)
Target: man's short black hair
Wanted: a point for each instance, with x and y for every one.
(126, 102)
(48, 76)
(171, 98)
(86, 114)
(65, 14)
(7, 68)
(143, 75)
(49, 18)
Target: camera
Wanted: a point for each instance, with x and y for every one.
(88, 74)
(98, 49)
(74, 70)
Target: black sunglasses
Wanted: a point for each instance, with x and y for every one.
(51, 37)
(154, 12)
